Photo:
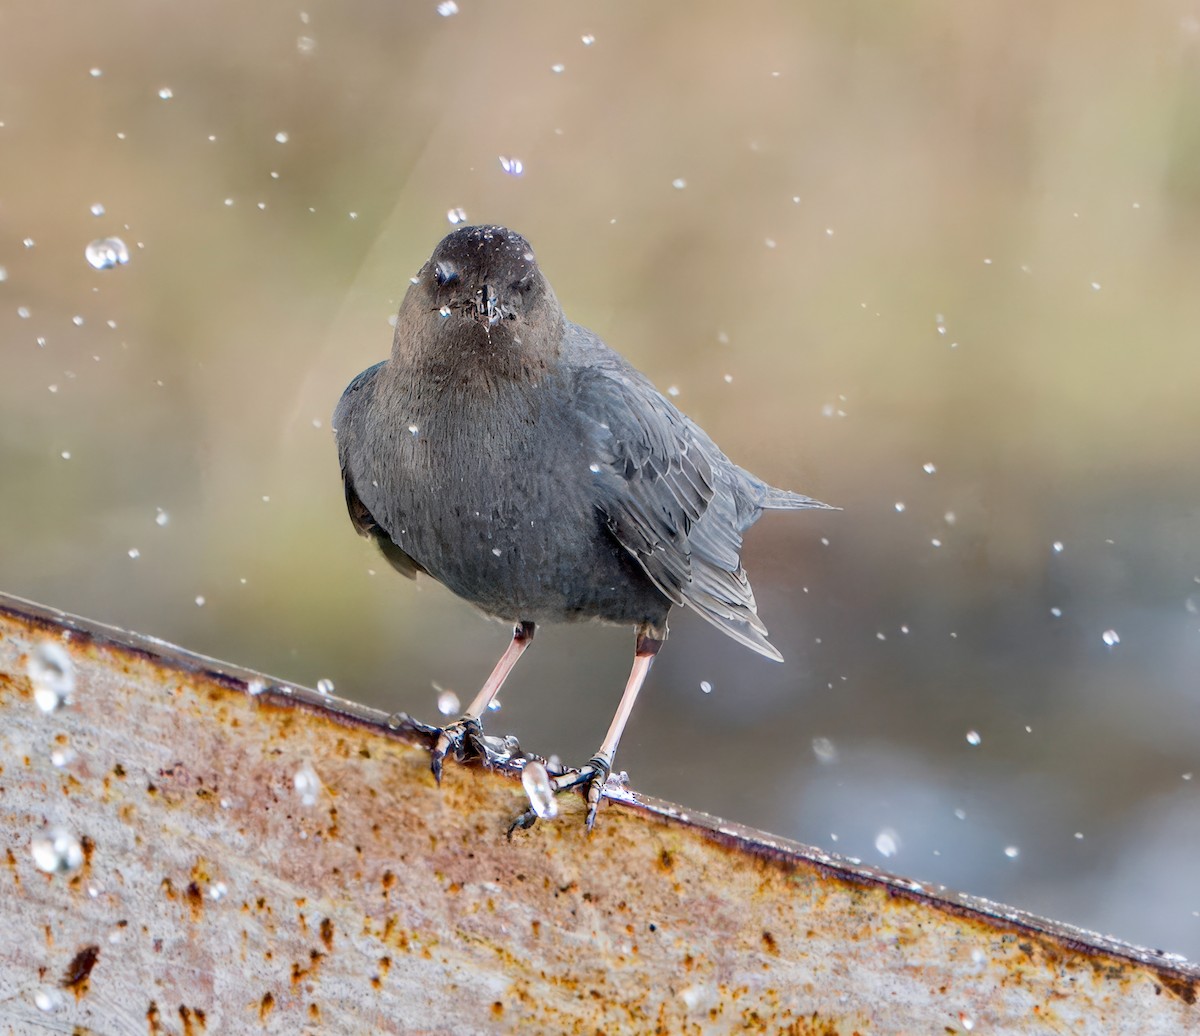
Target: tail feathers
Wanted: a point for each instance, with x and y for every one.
(781, 500)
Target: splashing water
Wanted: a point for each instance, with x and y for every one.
(887, 842)
(536, 782)
(106, 252)
(307, 785)
(57, 851)
(52, 674)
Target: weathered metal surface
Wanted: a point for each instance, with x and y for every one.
(212, 898)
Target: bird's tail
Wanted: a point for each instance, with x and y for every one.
(781, 500)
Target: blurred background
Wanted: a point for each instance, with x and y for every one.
(938, 264)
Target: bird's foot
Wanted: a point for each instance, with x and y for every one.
(465, 737)
(590, 779)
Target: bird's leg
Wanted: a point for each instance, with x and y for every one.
(465, 734)
(595, 771)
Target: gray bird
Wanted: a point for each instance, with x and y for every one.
(518, 460)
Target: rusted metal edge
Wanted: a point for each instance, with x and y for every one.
(1179, 975)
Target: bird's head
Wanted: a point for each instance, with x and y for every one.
(481, 293)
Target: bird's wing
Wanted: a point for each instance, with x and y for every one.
(346, 419)
(670, 498)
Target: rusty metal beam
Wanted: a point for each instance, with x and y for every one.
(221, 860)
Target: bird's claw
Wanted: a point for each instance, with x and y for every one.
(591, 778)
(465, 736)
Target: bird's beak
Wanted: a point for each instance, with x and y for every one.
(486, 309)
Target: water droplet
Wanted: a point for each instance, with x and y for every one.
(57, 851)
(966, 1022)
(306, 45)
(325, 687)
(1012, 852)
(497, 551)
(456, 216)
(1111, 638)
(495, 705)
(512, 166)
(28, 242)
(960, 814)
(679, 183)
(255, 687)
(558, 69)
(444, 312)
(414, 429)
(281, 137)
(61, 757)
(48, 999)
(161, 517)
(936, 542)
(1058, 546)
(97, 209)
(200, 600)
(673, 390)
(95, 73)
(447, 8)
(887, 842)
(825, 750)
(218, 891)
(23, 312)
(448, 703)
(929, 467)
(587, 39)
(52, 674)
(66, 454)
(973, 737)
(536, 782)
(166, 93)
(77, 321)
(134, 553)
(900, 506)
(1095, 285)
(106, 252)
(594, 468)
(706, 687)
(307, 785)
(1056, 612)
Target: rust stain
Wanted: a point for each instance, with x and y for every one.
(152, 1019)
(75, 978)
(327, 933)
(193, 1020)
(265, 1006)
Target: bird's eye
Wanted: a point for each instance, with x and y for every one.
(445, 274)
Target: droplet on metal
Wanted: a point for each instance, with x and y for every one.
(539, 789)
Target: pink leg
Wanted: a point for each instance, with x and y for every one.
(597, 769)
(466, 731)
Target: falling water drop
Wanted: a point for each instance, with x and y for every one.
(447, 702)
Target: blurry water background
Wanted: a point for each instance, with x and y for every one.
(938, 264)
